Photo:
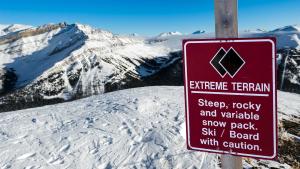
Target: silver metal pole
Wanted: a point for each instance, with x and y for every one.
(226, 27)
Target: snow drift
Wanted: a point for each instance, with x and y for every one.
(134, 128)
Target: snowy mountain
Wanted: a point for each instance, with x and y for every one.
(255, 31)
(2, 27)
(166, 34)
(57, 62)
(288, 46)
(199, 32)
(6, 29)
(287, 37)
(134, 128)
(290, 28)
(60, 62)
(134, 34)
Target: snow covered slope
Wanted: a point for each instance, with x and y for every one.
(133, 128)
(136, 128)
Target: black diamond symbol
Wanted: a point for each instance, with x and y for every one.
(216, 62)
(232, 62)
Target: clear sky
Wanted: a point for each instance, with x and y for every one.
(148, 17)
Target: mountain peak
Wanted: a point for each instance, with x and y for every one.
(258, 30)
(134, 34)
(88, 30)
(6, 29)
(15, 27)
(198, 32)
(165, 34)
(289, 28)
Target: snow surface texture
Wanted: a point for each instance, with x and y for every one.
(134, 128)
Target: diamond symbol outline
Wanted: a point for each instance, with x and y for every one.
(218, 61)
(231, 48)
(219, 67)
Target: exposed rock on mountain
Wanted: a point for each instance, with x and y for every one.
(59, 62)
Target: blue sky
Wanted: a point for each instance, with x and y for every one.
(148, 17)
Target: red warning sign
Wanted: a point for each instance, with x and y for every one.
(230, 96)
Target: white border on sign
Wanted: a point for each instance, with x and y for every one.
(274, 95)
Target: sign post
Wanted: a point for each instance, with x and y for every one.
(226, 26)
(230, 92)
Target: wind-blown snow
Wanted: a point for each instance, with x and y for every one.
(134, 128)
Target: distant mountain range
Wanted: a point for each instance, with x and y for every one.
(6, 29)
(60, 62)
(198, 32)
(166, 34)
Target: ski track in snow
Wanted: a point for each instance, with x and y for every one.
(135, 128)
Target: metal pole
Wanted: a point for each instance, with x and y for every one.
(226, 27)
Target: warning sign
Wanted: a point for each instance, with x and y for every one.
(230, 96)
